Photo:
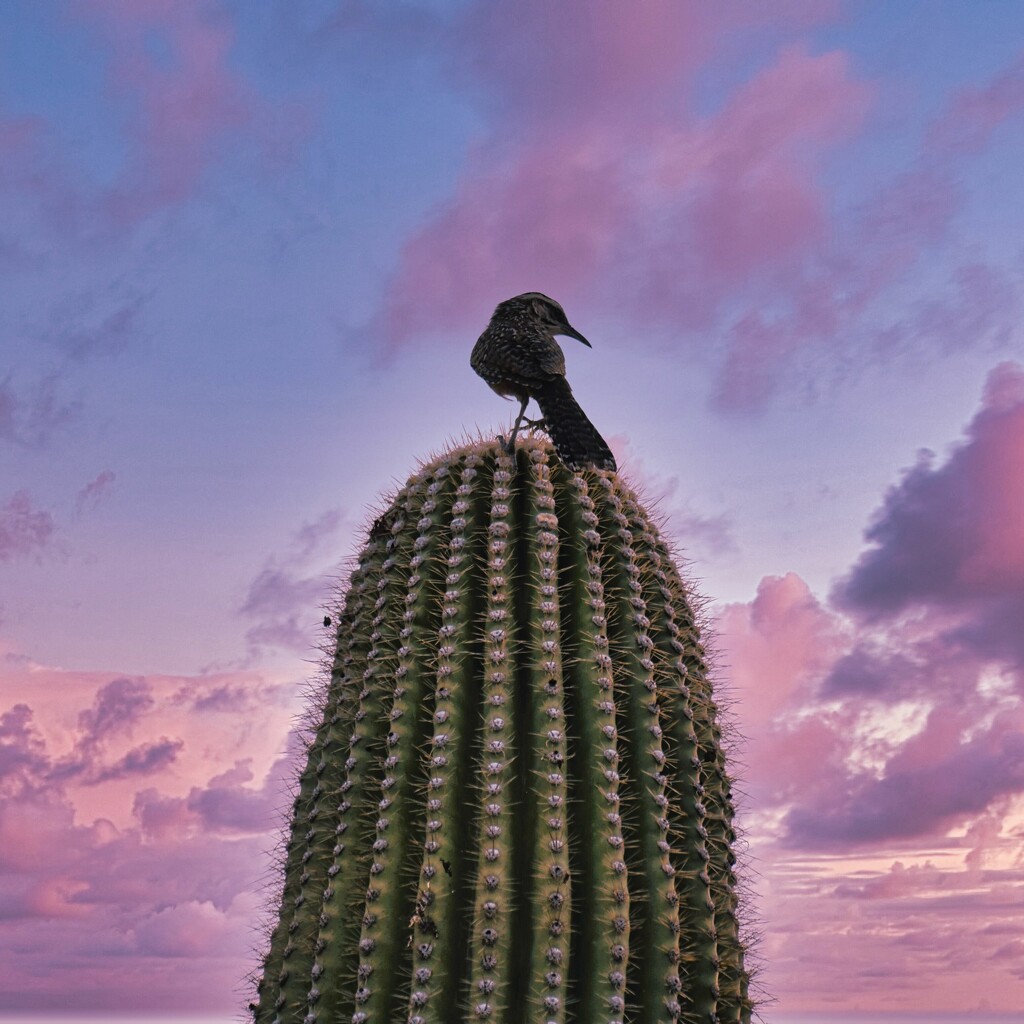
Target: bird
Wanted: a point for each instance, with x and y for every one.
(517, 355)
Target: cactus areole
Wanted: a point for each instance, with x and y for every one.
(515, 809)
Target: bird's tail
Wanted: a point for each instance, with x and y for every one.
(575, 438)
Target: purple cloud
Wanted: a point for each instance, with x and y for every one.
(900, 715)
(84, 893)
(950, 535)
(23, 758)
(974, 113)
(282, 600)
(142, 760)
(116, 708)
(92, 493)
(30, 415)
(226, 804)
(24, 529)
(934, 781)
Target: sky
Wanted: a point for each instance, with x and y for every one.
(245, 250)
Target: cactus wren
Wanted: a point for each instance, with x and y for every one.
(519, 358)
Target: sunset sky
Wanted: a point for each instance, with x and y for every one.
(245, 249)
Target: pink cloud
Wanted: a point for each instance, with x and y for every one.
(838, 288)
(956, 780)
(178, 108)
(549, 214)
(757, 198)
(687, 214)
(171, 62)
(895, 713)
(521, 53)
(22, 750)
(776, 645)
(185, 108)
(973, 114)
(80, 917)
(573, 61)
(883, 755)
(839, 291)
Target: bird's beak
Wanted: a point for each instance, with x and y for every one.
(573, 333)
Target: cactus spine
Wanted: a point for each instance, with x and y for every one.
(515, 808)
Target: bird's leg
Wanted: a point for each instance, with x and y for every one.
(510, 444)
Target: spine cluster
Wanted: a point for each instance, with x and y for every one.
(516, 806)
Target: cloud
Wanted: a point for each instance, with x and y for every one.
(145, 759)
(974, 113)
(980, 303)
(283, 604)
(560, 63)
(550, 214)
(670, 214)
(565, 63)
(178, 108)
(93, 324)
(81, 896)
(227, 804)
(29, 415)
(951, 535)
(117, 708)
(227, 698)
(190, 929)
(904, 717)
(934, 781)
(777, 645)
(883, 760)
(93, 492)
(894, 711)
(756, 194)
(283, 600)
(24, 529)
(169, 64)
(23, 757)
(718, 225)
(308, 538)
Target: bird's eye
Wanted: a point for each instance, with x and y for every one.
(549, 311)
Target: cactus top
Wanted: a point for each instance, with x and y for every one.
(515, 807)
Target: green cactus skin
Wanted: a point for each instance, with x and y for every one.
(516, 806)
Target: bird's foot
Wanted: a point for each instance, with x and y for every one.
(541, 424)
(508, 445)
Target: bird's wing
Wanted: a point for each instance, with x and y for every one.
(550, 357)
(528, 360)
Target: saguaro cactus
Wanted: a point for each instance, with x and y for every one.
(515, 808)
